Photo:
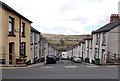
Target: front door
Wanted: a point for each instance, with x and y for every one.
(11, 47)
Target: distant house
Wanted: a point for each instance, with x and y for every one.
(42, 48)
(35, 45)
(105, 42)
(88, 48)
(82, 50)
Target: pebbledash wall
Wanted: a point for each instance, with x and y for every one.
(14, 39)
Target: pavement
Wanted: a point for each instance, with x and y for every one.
(43, 63)
(38, 64)
(20, 66)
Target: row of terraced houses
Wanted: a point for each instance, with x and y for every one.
(102, 46)
(19, 42)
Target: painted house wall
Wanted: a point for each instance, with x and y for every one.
(90, 51)
(93, 48)
(111, 44)
(32, 47)
(83, 50)
(103, 48)
(35, 46)
(86, 48)
(7, 39)
(113, 40)
(1, 33)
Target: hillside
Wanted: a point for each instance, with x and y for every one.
(69, 40)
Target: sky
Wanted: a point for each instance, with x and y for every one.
(69, 17)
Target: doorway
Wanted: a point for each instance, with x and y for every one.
(11, 52)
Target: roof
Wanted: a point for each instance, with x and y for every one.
(108, 26)
(89, 37)
(8, 8)
(34, 30)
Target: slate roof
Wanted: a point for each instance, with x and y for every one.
(34, 30)
(89, 37)
(8, 8)
(108, 26)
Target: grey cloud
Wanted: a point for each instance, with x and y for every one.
(68, 6)
(59, 30)
(81, 20)
(103, 20)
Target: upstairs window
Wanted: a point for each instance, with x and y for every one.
(35, 38)
(11, 26)
(104, 38)
(97, 39)
(23, 29)
(31, 38)
(23, 49)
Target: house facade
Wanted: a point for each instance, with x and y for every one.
(15, 36)
(35, 45)
(82, 50)
(88, 49)
(105, 43)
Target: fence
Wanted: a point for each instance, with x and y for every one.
(112, 58)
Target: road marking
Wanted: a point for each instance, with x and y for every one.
(92, 66)
(111, 66)
(70, 66)
(47, 67)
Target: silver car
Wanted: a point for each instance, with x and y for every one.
(77, 60)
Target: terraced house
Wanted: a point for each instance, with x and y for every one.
(35, 45)
(14, 37)
(105, 41)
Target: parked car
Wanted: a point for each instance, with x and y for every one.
(50, 59)
(57, 58)
(77, 60)
(72, 58)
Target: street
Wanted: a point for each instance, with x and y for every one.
(63, 69)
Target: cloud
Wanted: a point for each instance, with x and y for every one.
(66, 16)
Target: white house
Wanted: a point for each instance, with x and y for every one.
(82, 50)
(35, 44)
(105, 42)
(88, 48)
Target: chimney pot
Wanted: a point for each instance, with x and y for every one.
(114, 17)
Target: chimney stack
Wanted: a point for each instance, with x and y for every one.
(114, 17)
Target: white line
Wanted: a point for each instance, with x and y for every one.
(48, 67)
(70, 66)
(111, 66)
(92, 66)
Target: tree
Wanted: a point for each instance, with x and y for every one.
(62, 42)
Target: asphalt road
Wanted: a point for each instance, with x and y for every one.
(63, 69)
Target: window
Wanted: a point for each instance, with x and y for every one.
(88, 44)
(11, 26)
(31, 40)
(96, 53)
(97, 39)
(91, 44)
(104, 38)
(23, 29)
(35, 38)
(22, 48)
